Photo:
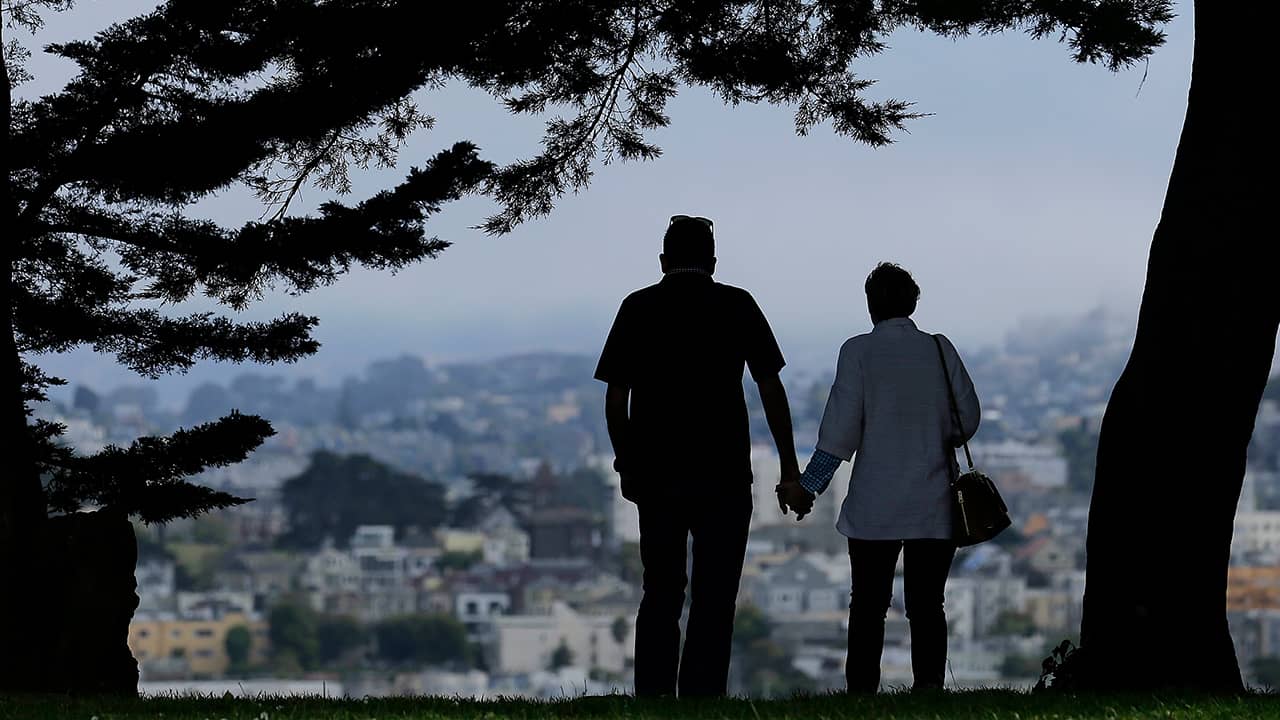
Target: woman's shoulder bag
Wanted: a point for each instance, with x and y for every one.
(978, 511)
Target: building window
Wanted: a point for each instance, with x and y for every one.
(204, 653)
(178, 652)
(144, 633)
(204, 633)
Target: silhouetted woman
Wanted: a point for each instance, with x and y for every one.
(889, 406)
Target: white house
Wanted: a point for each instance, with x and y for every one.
(1256, 533)
(478, 606)
(526, 643)
(505, 543)
(1042, 465)
(991, 596)
(803, 584)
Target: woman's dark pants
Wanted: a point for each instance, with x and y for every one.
(926, 564)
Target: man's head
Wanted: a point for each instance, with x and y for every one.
(891, 292)
(689, 243)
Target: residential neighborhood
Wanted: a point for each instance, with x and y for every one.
(458, 529)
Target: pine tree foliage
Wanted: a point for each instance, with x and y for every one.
(101, 232)
(148, 477)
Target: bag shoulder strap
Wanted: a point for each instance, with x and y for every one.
(951, 398)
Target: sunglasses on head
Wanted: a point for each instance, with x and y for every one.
(696, 218)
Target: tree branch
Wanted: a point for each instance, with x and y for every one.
(148, 479)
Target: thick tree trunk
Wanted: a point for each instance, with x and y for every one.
(1171, 456)
(87, 590)
(22, 509)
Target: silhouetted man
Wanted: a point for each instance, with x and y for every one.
(678, 422)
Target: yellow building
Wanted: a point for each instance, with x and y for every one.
(460, 541)
(200, 644)
(1253, 588)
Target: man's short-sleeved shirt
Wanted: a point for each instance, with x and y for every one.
(680, 346)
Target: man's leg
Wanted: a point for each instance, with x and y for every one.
(872, 563)
(663, 539)
(719, 547)
(926, 564)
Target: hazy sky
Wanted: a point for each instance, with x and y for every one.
(1033, 188)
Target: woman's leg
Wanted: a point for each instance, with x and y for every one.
(926, 564)
(872, 563)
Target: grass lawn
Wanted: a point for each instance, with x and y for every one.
(984, 705)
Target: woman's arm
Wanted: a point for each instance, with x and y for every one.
(966, 394)
(840, 433)
(817, 474)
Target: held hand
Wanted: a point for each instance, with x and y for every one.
(792, 495)
(789, 477)
(799, 499)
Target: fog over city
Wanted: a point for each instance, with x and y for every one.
(1031, 189)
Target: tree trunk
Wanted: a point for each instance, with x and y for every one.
(1171, 456)
(86, 587)
(22, 508)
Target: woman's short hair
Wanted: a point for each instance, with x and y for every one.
(891, 292)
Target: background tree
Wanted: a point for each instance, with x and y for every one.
(489, 492)
(338, 493)
(423, 639)
(1266, 672)
(237, 643)
(586, 488)
(458, 560)
(337, 636)
(101, 237)
(294, 642)
(1020, 667)
(619, 629)
(561, 657)
(765, 667)
(750, 625)
(1080, 449)
(1013, 623)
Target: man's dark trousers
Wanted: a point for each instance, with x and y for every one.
(925, 566)
(719, 525)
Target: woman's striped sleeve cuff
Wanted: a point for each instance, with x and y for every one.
(817, 474)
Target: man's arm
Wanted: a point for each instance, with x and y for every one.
(618, 419)
(777, 411)
(764, 359)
